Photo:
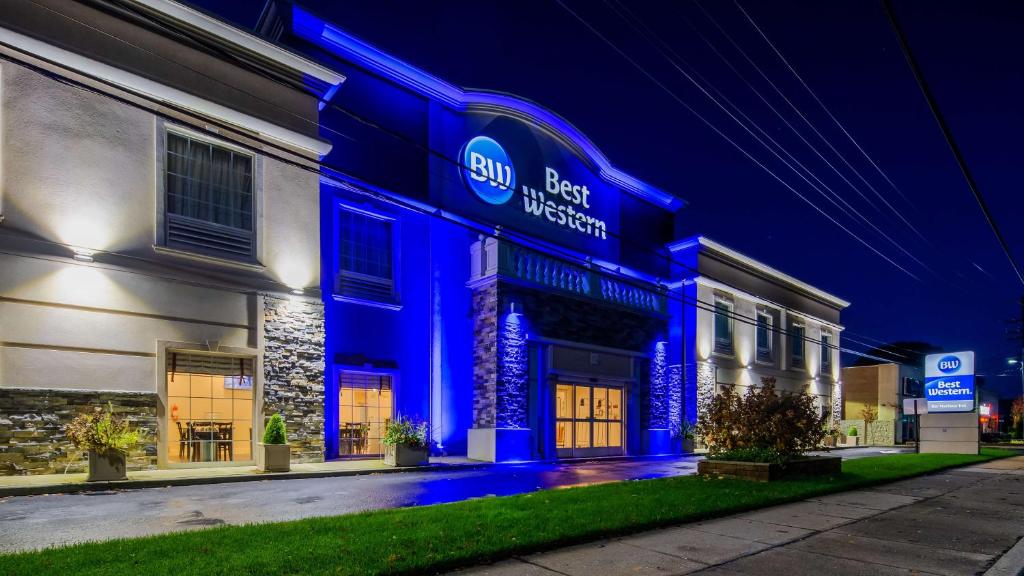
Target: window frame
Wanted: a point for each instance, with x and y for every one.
(728, 347)
(825, 353)
(167, 347)
(796, 363)
(394, 302)
(341, 369)
(765, 312)
(161, 220)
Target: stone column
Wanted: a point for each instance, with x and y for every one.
(292, 338)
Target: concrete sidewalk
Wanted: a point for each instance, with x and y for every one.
(957, 522)
(34, 485)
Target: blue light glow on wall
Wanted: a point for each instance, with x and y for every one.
(512, 390)
(675, 396)
(659, 396)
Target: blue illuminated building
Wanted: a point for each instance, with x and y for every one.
(486, 268)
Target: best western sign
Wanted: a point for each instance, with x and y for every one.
(949, 382)
(489, 172)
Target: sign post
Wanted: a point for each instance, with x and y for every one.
(951, 423)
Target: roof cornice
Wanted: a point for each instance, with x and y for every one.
(314, 29)
(710, 246)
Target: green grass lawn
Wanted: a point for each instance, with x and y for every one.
(446, 536)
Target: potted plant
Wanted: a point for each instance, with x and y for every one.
(107, 438)
(685, 434)
(851, 436)
(406, 442)
(274, 454)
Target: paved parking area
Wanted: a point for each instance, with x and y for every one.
(28, 522)
(965, 521)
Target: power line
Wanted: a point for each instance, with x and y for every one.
(697, 303)
(806, 120)
(948, 135)
(731, 141)
(822, 104)
(661, 46)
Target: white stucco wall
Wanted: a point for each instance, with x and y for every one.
(80, 169)
(741, 369)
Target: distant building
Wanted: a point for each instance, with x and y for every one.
(881, 387)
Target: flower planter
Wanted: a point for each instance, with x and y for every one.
(850, 442)
(403, 455)
(273, 457)
(765, 472)
(107, 466)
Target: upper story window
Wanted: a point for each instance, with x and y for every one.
(366, 256)
(763, 335)
(826, 353)
(796, 346)
(209, 199)
(723, 326)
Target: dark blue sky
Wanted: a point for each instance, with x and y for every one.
(847, 54)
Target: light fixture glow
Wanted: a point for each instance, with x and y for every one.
(298, 291)
(83, 254)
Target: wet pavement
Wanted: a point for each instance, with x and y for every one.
(28, 522)
(39, 521)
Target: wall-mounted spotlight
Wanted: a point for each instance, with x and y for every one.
(83, 254)
(298, 291)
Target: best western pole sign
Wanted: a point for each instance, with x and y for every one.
(949, 382)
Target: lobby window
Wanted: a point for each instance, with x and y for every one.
(723, 326)
(366, 404)
(763, 335)
(366, 259)
(209, 407)
(796, 346)
(208, 206)
(826, 353)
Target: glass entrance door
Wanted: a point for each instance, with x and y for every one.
(588, 420)
(365, 401)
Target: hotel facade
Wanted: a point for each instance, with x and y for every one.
(203, 226)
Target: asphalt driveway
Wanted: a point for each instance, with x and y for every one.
(28, 522)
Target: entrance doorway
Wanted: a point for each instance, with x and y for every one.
(589, 420)
(366, 404)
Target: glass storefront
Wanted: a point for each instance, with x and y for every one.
(588, 420)
(366, 405)
(209, 408)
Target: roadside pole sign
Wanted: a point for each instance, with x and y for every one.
(949, 382)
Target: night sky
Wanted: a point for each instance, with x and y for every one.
(848, 55)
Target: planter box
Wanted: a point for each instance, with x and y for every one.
(850, 442)
(764, 472)
(273, 457)
(402, 455)
(107, 466)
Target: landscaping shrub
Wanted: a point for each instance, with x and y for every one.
(852, 431)
(100, 431)
(406, 432)
(275, 432)
(762, 424)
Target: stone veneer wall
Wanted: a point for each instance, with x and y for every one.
(293, 371)
(485, 354)
(32, 439)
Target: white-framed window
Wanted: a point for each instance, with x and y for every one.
(763, 336)
(826, 352)
(723, 325)
(209, 197)
(797, 346)
(211, 404)
(367, 249)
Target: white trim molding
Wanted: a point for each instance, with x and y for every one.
(154, 90)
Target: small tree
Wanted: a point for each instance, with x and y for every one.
(275, 432)
(762, 425)
(1017, 418)
(869, 414)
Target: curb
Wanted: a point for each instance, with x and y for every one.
(1011, 563)
(79, 487)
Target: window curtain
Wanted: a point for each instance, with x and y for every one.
(208, 183)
